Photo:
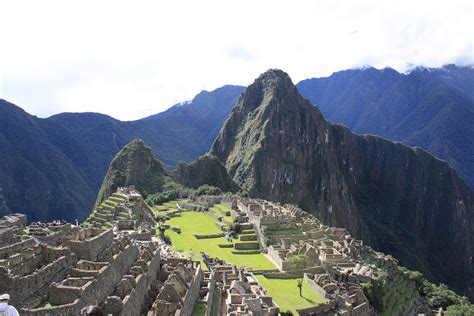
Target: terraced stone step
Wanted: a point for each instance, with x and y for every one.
(247, 245)
(119, 195)
(247, 232)
(117, 200)
(108, 207)
(110, 203)
(246, 226)
(248, 237)
(103, 216)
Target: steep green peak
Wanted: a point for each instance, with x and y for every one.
(136, 165)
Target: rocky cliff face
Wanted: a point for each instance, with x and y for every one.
(400, 200)
(136, 165)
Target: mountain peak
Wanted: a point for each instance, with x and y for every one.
(274, 79)
(136, 165)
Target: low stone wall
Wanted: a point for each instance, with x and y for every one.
(209, 236)
(246, 245)
(248, 238)
(7, 251)
(282, 275)
(192, 294)
(91, 248)
(211, 295)
(312, 284)
(100, 288)
(37, 282)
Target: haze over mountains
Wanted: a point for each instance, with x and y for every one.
(431, 108)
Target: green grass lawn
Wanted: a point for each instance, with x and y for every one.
(198, 223)
(230, 219)
(286, 294)
(162, 209)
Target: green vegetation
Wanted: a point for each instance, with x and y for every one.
(207, 190)
(375, 292)
(204, 173)
(286, 294)
(217, 210)
(198, 223)
(199, 309)
(170, 191)
(135, 164)
(440, 295)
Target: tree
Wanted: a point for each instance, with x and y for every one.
(299, 284)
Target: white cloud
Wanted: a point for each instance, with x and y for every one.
(130, 59)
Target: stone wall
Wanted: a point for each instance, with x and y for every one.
(312, 284)
(96, 291)
(132, 304)
(192, 294)
(246, 245)
(211, 295)
(90, 248)
(36, 282)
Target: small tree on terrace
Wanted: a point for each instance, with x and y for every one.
(299, 284)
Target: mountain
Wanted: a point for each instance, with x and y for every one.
(432, 108)
(35, 176)
(136, 165)
(52, 168)
(205, 170)
(400, 200)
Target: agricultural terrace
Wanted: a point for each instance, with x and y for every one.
(286, 294)
(198, 223)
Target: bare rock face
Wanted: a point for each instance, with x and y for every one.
(400, 200)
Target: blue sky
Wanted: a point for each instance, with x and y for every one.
(131, 59)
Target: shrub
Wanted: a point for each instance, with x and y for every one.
(460, 310)
(374, 293)
(207, 190)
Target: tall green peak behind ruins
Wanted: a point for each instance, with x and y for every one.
(136, 165)
(400, 200)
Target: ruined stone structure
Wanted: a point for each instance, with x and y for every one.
(120, 265)
(233, 291)
(10, 228)
(125, 205)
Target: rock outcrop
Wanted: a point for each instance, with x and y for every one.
(400, 200)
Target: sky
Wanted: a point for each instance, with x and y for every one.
(132, 59)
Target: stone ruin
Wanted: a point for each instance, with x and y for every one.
(11, 227)
(229, 290)
(121, 208)
(57, 268)
(115, 261)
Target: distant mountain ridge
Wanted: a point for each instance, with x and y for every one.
(400, 200)
(81, 145)
(432, 108)
(52, 168)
